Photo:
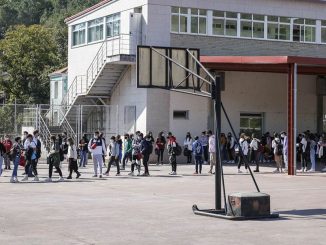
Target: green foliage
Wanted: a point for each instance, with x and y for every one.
(29, 54)
(11, 122)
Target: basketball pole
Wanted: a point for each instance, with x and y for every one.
(216, 96)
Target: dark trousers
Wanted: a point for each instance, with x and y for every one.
(51, 170)
(127, 156)
(173, 162)
(160, 155)
(111, 161)
(145, 162)
(199, 163)
(304, 161)
(73, 166)
(31, 167)
(189, 157)
(242, 161)
(205, 148)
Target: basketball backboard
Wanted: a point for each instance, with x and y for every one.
(169, 68)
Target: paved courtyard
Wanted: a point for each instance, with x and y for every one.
(157, 209)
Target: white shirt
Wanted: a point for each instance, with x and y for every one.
(211, 144)
(254, 144)
(72, 152)
(304, 144)
(188, 143)
(244, 145)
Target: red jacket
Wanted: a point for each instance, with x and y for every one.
(8, 145)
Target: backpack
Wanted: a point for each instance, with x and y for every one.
(38, 149)
(198, 149)
(279, 149)
(178, 149)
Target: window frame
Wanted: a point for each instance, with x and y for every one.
(186, 117)
(95, 25)
(113, 18)
(79, 30)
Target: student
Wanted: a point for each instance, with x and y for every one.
(119, 142)
(211, 150)
(2, 152)
(136, 153)
(224, 155)
(313, 146)
(72, 159)
(8, 145)
(245, 149)
(31, 156)
(278, 152)
(16, 151)
(284, 141)
(231, 148)
(127, 150)
(197, 150)
(113, 150)
(303, 149)
(171, 147)
(83, 149)
(146, 149)
(97, 147)
(159, 147)
(54, 159)
(188, 147)
(254, 151)
(204, 142)
(38, 145)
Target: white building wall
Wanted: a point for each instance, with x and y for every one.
(267, 93)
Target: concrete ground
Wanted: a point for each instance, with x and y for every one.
(158, 209)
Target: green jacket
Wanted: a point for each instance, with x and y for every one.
(127, 146)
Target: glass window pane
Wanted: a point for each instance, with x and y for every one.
(323, 22)
(183, 10)
(194, 24)
(116, 28)
(310, 22)
(298, 21)
(202, 25)
(202, 12)
(323, 35)
(258, 30)
(218, 27)
(183, 23)
(296, 33)
(272, 18)
(246, 29)
(231, 27)
(246, 16)
(175, 23)
(175, 10)
(285, 32)
(310, 34)
(218, 13)
(231, 15)
(244, 122)
(194, 11)
(258, 17)
(285, 20)
(272, 31)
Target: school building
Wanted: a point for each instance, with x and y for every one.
(271, 54)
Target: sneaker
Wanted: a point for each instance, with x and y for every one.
(107, 174)
(100, 176)
(69, 177)
(48, 180)
(195, 173)
(239, 171)
(276, 171)
(25, 178)
(61, 179)
(256, 170)
(36, 178)
(171, 173)
(247, 171)
(311, 171)
(95, 176)
(12, 180)
(78, 175)
(118, 174)
(131, 174)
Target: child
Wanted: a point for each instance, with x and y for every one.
(197, 149)
(72, 158)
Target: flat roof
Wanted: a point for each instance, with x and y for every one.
(277, 64)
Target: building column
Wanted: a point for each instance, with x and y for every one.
(292, 118)
(320, 114)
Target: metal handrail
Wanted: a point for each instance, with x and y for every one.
(45, 133)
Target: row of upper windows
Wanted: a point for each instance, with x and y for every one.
(196, 21)
(95, 30)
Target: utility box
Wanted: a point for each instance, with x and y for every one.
(254, 204)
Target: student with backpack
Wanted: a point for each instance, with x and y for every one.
(188, 147)
(31, 158)
(113, 150)
(72, 159)
(136, 153)
(97, 147)
(278, 152)
(172, 151)
(146, 150)
(242, 159)
(254, 151)
(53, 159)
(127, 150)
(198, 150)
(15, 153)
(204, 142)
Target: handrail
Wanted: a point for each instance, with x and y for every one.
(44, 131)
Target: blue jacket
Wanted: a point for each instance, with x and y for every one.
(197, 148)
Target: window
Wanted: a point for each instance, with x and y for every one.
(252, 26)
(304, 30)
(113, 25)
(323, 31)
(181, 115)
(56, 90)
(198, 21)
(252, 123)
(179, 20)
(278, 28)
(95, 30)
(78, 34)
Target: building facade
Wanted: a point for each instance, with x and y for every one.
(102, 61)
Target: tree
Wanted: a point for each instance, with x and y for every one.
(29, 54)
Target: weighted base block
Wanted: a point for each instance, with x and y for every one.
(253, 204)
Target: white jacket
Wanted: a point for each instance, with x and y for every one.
(244, 146)
(72, 152)
(254, 144)
(188, 143)
(100, 148)
(211, 144)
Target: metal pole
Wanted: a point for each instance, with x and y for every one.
(218, 170)
(295, 99)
